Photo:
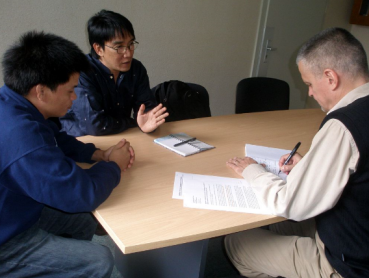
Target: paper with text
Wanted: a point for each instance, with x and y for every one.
(268, 156)
(216, 193)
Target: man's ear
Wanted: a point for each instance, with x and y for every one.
(40, 91)
(98, 49)
(332, 78)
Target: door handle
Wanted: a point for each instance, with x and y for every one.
(267, 48)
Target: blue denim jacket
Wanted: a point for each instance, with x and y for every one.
(37, 168)
(104, 106)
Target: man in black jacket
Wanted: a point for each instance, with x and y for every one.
(116, 94)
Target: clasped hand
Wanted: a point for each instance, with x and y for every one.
(152, 119)
(121, 153)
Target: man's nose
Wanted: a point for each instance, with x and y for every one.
(73, 96)
(310, 92)
(128, 53)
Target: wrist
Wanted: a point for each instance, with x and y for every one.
(98, 155)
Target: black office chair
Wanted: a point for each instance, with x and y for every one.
(181, 109)
(257, 94)
(204, 95)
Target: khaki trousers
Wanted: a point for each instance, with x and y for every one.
(288, 249)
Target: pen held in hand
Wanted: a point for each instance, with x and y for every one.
(291, 155)
(184, 142)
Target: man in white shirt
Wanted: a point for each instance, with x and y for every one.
(328, 188)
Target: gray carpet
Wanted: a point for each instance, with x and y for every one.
(217, 263)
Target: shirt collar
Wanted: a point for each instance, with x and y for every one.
(21, 100)
(359, 92)
(104, 69)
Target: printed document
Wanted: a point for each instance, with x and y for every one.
(216, 193)
(267, 156)
(227, 194)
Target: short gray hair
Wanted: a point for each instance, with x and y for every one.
(337, 49)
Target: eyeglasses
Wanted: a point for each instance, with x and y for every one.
(123, 49)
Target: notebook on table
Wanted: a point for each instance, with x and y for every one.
(189, 148)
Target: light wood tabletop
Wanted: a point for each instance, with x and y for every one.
(140, 214)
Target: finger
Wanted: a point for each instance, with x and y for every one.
(120, 144)
(286, 168)
(282, 159)
(127, 145)
(141, 110)
(160, 122)
(131, 151)
(162, 117)
(157, 108)
(160, 111)
(133, 156)
(231, 164)
(231, 160)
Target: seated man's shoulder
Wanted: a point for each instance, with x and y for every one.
(26, 134)
(137, 68)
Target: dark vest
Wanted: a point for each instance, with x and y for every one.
(344, 229)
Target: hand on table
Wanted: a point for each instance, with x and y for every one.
(122, 154)
(238, 164)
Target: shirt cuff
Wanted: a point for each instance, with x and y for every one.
(252, 171)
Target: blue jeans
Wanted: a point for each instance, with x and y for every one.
(59, 245)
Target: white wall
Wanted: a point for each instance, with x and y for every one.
(210, 42)
(362, 34)
(338, 15)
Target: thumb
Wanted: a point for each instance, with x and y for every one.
(120, 144)
(142, 109)
(287, 168)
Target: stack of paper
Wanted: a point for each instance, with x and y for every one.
(216, 193)
(228, 194)
(267, 156)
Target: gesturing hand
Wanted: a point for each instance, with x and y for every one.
(150, 120)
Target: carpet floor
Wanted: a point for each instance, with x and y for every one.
(217, 263)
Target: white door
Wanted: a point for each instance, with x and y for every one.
(285, 25)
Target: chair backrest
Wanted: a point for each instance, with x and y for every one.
(257, 94)
(204, 95)
(183, 100)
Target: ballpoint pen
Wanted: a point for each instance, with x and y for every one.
(184, 142)
(291, 155)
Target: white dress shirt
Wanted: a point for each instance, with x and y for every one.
(316, 183)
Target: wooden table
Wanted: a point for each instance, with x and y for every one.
(141, 215)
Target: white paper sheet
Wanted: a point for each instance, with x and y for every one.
(216, 193)
(268, 156)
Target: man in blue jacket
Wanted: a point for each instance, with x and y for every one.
(118, 86)
(45, 198)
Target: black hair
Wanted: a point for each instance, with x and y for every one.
(334, 48)
(105, 26)
(41, 58)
